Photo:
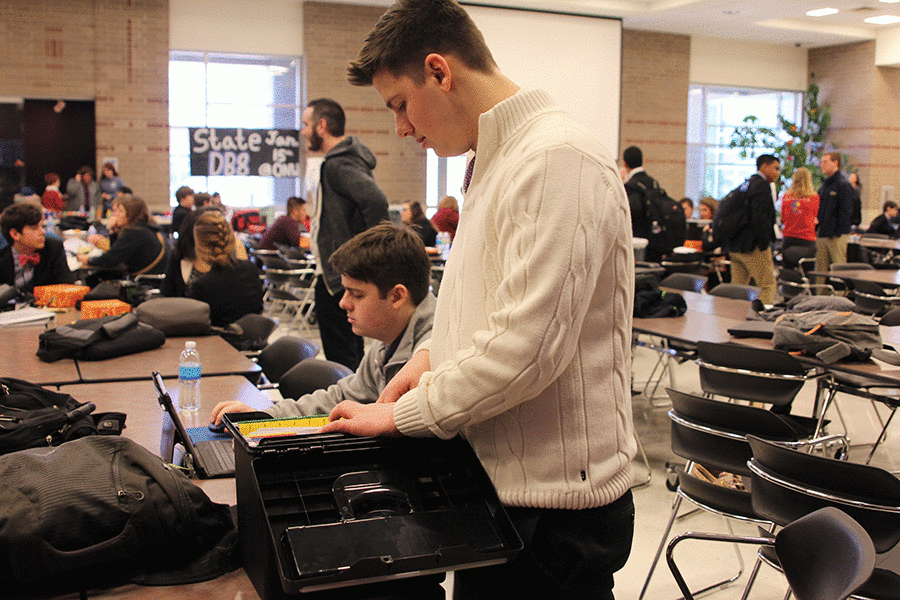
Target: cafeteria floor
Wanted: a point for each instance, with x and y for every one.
(701, 563)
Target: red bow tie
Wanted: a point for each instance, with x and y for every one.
(32, 259)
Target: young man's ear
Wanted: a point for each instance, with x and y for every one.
(437, 67)
(398, 295)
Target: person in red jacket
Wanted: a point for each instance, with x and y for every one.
(52, 198)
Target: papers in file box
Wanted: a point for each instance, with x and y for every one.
(256, 431)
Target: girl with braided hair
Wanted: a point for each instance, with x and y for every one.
(232, 287)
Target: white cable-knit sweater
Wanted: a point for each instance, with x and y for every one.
(530, 348)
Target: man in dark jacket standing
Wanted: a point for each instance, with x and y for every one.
(835, 213)
(751, 251)
(637, 182)
(347, 202)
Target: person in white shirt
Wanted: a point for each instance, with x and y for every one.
(530, 352)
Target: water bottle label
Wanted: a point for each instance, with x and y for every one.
(189, 372)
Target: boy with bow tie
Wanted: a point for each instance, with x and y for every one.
(31, 258)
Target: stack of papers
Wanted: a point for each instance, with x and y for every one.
(28, 315)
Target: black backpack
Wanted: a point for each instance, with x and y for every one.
(99, 339)
(651, 302)
(732, 217)
(32, 416)
(665, 219)
(103, 510)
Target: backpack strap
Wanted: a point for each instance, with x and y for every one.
(162, 252)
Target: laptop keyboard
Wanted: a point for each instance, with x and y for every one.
(217, 457)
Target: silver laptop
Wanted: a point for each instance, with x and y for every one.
(207, 458)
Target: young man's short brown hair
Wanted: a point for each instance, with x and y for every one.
(384, 256)
(294, 202)
(409, 31)
(18, 216)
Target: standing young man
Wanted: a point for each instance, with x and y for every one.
(530, 351)
(348, 202)
(835, 213)
(751, 251)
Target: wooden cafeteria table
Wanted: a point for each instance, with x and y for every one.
(19, 358)
(708, 319)
(889, 277)
(217, 356)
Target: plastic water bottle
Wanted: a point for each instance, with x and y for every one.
(189, 378)
(443, 244)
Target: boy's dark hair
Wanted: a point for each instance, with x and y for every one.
(17, 216)
(633, 157)
(409, 31)
(331, 111)
(384, 256)
(183, 192)
(51, 178)
(765, 159)
(202, 199)
(888, 204)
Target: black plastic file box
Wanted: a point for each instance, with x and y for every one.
(319, 512)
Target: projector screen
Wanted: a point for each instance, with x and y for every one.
(577, 59)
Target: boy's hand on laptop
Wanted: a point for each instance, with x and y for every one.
(232, 406)
(406, 378)
(370, 420)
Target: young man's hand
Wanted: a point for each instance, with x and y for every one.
(406, 378)
(231, 406)
(372, 420)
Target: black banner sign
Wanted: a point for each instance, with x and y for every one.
(245, 152)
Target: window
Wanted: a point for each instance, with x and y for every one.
(714, 169)
(228, 90)
(444, 177)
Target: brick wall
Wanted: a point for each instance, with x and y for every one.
(655, 83)
(865, 121)
(115, 52)
(333, 35)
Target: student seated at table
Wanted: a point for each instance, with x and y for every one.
(181, 271)
(230, 286)
(137, 246)
(30, 258)
(286, 229)
(886, 222)
(385, 272)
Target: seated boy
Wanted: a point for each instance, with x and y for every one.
(386, 273)
(31, 258)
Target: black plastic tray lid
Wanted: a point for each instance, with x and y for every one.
(351, 510)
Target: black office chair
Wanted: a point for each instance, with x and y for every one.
(689, 282)
(788, 484)
(736, 291)
(250, 334)
(792, 283)
(310, 375)
(872, 299)
(280, 356)
(826, 555)
(714, 434)
(842, 285)
(688, 262)
(751, 374)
